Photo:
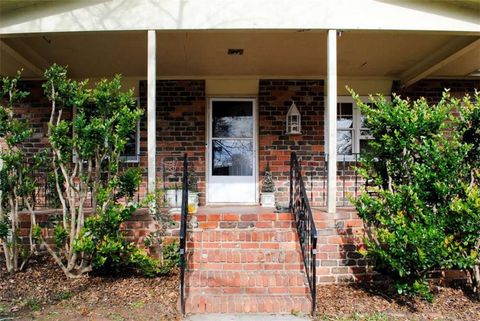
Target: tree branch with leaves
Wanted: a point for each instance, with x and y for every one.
(86, 153)
(18, 182)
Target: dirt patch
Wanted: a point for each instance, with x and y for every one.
(380, 301)
(43, 292)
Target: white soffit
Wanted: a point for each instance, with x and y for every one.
(103, 15)
(266, 54)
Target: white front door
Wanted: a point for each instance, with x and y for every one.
(232, 151)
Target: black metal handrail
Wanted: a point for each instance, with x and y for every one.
(307, 232)
(183, 233)
(349, 183)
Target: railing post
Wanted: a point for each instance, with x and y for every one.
(183, 233)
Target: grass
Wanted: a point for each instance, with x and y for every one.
(137, 304)
(63, 295)
(32, 304)
(116, 317)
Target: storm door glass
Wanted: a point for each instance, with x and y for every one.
(232, 138)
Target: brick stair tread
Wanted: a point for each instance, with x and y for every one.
(240, 256)
(245, 279)
(281, 304)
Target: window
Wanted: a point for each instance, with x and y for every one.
(352, 135)
(131, 154)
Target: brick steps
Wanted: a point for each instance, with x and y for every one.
(248, 281)
(245, 263)
(283, 258)
(280, 304)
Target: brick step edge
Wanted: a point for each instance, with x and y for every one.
(239, 256)
(284, 304)
(252, 279)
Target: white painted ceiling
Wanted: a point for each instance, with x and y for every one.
(204, 54)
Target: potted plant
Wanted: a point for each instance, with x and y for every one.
(268, 189)
(173, 197)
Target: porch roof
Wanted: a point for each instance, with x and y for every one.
(377, 57)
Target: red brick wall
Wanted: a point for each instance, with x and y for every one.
(432, 89)
(274, 99)
(35, 109)
(180, 127)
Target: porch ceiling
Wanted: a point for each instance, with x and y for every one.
(302, 53)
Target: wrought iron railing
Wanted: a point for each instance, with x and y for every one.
(183, 233)
(348, 181)
(45, 195)
(304, 221)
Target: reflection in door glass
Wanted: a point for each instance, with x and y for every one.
(232, 157)
(232, 119)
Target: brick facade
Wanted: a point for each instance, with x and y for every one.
(180, 127)
(35, 109)
(274, 99)
(432, 89)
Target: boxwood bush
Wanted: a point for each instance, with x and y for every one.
(423, 211)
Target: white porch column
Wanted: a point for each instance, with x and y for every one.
(151, 110)
(332, 119)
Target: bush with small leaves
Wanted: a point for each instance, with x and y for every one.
(424, 213)
(18, 182)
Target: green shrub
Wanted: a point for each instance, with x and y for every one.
(18, 181)
(424, 214)
(102, 240)
(128, 183)
(171, 257)
(60, 235)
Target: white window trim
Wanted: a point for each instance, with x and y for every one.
(135, 158)
(356, 127)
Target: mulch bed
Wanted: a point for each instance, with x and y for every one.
(42, 292)
(360, 301)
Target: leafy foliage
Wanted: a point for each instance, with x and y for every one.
(17, 174)
(171, 257)
(424, 212)
(128, 183)
(103, 241)
(104, 120)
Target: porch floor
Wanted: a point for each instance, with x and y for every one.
(257, 209)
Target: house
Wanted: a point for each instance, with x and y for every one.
(217, 79)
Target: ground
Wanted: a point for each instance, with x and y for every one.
(379, 302)
(42, 292)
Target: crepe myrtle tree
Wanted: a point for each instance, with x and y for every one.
(424, 213)
(86, 155)
(17, 179)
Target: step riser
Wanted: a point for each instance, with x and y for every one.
(254, 279)
(251, 304)
(235, 235)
